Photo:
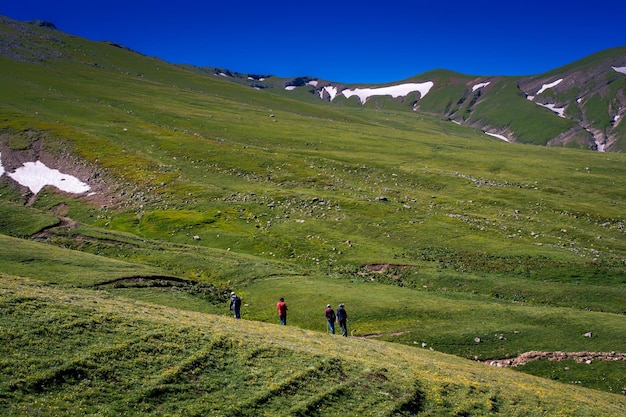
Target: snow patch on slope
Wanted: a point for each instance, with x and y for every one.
(620, 69)
(558, 110)
(330, 90)
(400, 90)
(495, 135)
(36, 175)
(480, 85)
(394, 91)
(550, 85)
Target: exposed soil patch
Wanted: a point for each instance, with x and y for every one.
(382, 268)
(580, 357)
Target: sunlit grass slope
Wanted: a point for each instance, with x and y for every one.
(84, 352)
(429, 231)
(423, 318)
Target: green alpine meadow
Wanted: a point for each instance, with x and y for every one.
(481, 276)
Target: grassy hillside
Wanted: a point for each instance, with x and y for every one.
(137, 358)
(433, 235)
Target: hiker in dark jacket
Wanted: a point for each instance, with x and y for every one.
(342, 318)
(330, 318)
(235, 305)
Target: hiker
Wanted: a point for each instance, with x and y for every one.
(235, 305)
(330, 318)
(342, 318)
(281, 306)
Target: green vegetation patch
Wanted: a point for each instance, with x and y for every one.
(89, 353)
(609, 376)
(18, 222)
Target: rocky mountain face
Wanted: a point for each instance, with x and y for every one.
(581, 105)
(591, 94)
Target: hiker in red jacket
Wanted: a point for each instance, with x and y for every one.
(281, 306)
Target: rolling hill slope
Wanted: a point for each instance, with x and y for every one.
(131, 357)
(435, 235)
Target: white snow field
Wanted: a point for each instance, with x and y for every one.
(36, 175)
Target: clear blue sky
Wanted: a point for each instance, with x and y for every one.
(346, 41)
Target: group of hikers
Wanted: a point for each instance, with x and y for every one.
(331, 316)
(341, 316)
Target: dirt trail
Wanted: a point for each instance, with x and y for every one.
(581, 357)
(372, 335)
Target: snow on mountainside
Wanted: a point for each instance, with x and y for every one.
(399, 90)
(590, 93)
(579, 105)
(588, 96)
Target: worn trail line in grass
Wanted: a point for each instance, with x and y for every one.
(372, 335)
(150, 279)
(580, 357)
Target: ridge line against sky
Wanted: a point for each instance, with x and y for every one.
(346, 41)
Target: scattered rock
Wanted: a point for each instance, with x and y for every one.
(580, 357)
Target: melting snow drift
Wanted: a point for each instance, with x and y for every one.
(394, 91)
(36, 175)
(400, 90)
(558, 110)
(620, 69)
(495, 135)
(480, 85)
(550, 85)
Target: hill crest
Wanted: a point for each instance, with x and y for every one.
(585, 110)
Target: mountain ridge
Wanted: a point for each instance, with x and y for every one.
(590, 100)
